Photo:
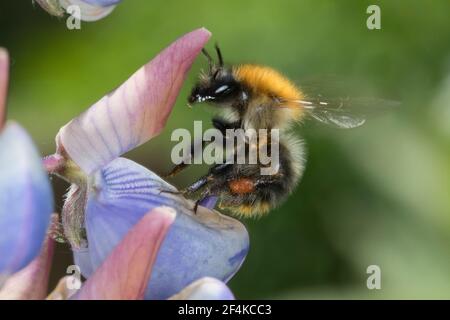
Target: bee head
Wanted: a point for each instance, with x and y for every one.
(217, 86)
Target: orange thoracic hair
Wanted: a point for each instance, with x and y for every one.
(262, 80)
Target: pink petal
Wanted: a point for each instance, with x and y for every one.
(31, 282)
(62, 291)
(4, 71)
(125, 273)
(136, 111)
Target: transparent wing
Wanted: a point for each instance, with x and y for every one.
(345, 113)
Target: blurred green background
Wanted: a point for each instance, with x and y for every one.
(376, 195)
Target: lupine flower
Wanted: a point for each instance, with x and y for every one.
(125, 215)
(125, 272)
(109, 195)
(195, 245)
(26, 201)
(128, 262)
(90, 10)
(123, 275)
(31, 282)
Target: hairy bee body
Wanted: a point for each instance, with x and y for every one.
(245, 192)
(257, 98)
(242, 189)
(268, 88)
(264, 88)
(252, 97)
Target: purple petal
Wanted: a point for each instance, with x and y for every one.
(26, 202)
(52, 7)
(126, 271)
(209, 202)
(136, 111)
(82, 259)
(197, 245)
(31, 282)
(4, 72)
(205, 289)
(90, 10)
(102, 3)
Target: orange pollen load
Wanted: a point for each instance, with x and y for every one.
(241, 186)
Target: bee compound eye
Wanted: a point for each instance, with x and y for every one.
(221, 89)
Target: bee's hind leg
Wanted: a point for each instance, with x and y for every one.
(180, 167)
(176, 170)
(218, 123)
(268, 180)
(197, 185)
(177, 192)
(204, 195)
(207, 183)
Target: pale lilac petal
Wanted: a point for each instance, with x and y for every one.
(52, 7)
(103, 3)
(136, 111)
(209, 202)
(90, 10)
(26, 201)
(4, 73)
(125, 272)
(205, 289)
(82, 259)
(63, 291)
(31, 282)
(197, 245)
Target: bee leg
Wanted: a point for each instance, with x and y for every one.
(177, 192)
(200, 183)
(191, 189)
(267, 180)
(180, 167)
(209, 181)
(219, 168)
(219, 124)
(176, 170)
(196, 206)
(197, 185)
(205, 194)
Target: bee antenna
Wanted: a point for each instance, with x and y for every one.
(219, 55)
(209, 58)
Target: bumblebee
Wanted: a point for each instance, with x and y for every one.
(258, 97)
